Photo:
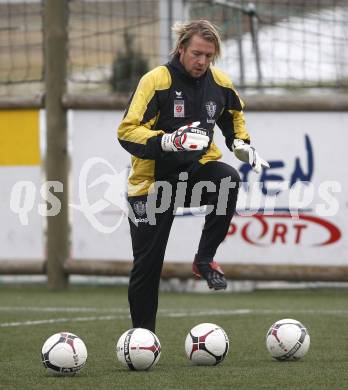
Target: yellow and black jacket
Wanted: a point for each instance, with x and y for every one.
(167, 98)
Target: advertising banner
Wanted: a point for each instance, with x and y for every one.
(21, 233)
(294, 212)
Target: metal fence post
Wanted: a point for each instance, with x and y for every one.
(251, 10)
(240, 31)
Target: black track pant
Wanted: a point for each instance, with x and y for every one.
(149, 241)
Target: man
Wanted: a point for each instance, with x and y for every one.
(168, 128)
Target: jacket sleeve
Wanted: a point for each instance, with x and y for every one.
(231, 121)
(136, 132)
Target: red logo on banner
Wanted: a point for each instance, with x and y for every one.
(278, 232)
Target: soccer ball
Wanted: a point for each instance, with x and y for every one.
(139, 349)
(287, 339)
(206, 344)
(64, 353)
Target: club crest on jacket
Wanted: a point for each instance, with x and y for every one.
(211, 110)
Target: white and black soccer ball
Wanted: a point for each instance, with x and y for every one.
(206, 344)
(64, 353)
(139, 349)
(287, 339)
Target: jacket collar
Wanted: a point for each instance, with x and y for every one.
(176, 64)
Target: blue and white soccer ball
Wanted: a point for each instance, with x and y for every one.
(206, 344)
(139, 349)
(64, 353)
(287, 339)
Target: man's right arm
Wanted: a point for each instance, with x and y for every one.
(135, 132)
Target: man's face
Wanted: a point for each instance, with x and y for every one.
(197, 56)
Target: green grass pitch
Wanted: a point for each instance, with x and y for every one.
(99, 315)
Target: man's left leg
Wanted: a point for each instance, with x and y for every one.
(218, 221)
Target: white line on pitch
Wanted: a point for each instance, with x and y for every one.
(176, 315)
(59, 320)
(254, 311)
(172, 312)
(69, 309)
(62, 309)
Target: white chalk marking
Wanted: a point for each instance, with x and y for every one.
(176, 314)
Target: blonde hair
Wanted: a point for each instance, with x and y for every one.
(203, 28)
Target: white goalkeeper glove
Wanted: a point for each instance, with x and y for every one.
(186, 138)
(248, 154)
